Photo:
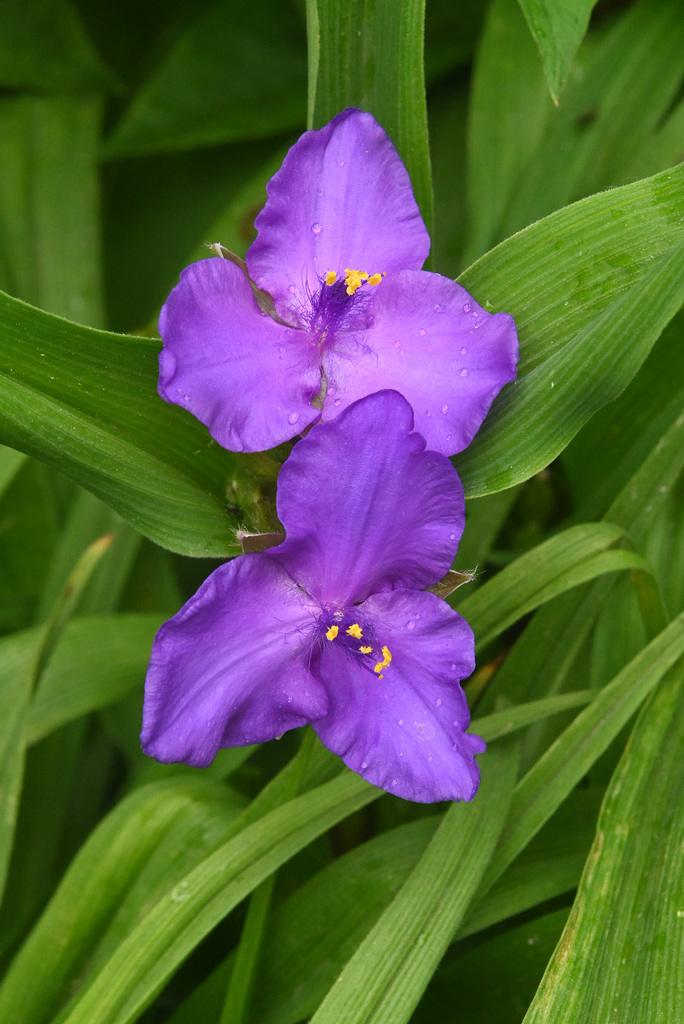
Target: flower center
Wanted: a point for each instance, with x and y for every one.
(355, 633)
(339, 307)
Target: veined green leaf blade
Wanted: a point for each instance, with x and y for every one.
(85, 401)
(569, 558)
(538, 414)
(630, 897)
(370, 55)
(562, 766)
(139, 967)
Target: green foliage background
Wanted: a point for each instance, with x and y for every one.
(545, 143)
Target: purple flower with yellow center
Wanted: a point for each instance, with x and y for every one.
(331, 305)
(333, 627)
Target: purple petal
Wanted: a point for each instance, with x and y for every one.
(342, 198)
(231, 668)
(404, 729)
(365, 507)
(246, 377)
(432, 342)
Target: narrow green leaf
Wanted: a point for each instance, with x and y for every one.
(87, 901)
(501, 723)
(370, 55)
(508, 108)
(49, 203)
(620, 954)
(174, 926)
(391, 968)
(85, 401)
(587, 316)
(562, 766)
(17, 664)
(626, 86)
(550, 865)
(237, 72)
(97, 661)
(564, 561)
(558, 27)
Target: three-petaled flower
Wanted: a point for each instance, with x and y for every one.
(333, 626)
(339, 249)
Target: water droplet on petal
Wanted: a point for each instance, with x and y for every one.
(364, 765)
(464, 372)
(429, 760)
(422, 332)
(467, 307)
(400, 722)
(439, 308)
(476, 313)
(448, 437)
(411, 625)
(291, 289)
(338, 401)
(452, 536)
(332, 390)
(397, 344)
(464, 351)
(428, 413)
(445, 410)
(341, 163)
(293, 417)
(438, 702)
(316, 228)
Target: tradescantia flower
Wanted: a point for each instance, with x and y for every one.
(337, 261)
(333, 626)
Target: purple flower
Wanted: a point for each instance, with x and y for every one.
(340, 247)
(332, 627)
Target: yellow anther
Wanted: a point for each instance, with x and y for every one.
(386, 658)
(332, 632)
(355, 631)
(375, 279)
(330, 277)
(354, 279)
(366, 650)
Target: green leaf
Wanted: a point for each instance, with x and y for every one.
(561, 767)
(550, 865)
(98, 660)
(566, 560)
(620, 954)
(608, 114)
(509, 106)
(370, 55)
(591, 288)
(17, 664)
(85, 401)
(49, 203)
(558, 27)
(176, 923)
(391, 968)
(90, 896)
(501, 723)
(237, 72)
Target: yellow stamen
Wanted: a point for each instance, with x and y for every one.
(355, 631)
(354, 279)
(332, 632)
(330, 277)
(386, 658)
(366, 650)
(375, 279)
